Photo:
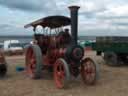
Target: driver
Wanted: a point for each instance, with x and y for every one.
(67, 36)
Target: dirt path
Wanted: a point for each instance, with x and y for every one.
(113, 82)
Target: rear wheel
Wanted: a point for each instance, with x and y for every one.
(33, 61)
(61, 73)
(112, 59)
(89, 71)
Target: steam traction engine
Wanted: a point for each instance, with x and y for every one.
(58, 50)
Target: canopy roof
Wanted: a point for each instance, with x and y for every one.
(51, 22)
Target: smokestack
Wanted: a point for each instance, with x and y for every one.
(74, 23)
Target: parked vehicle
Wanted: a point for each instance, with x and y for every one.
(13, 47)
(114, 49)
(58, 50)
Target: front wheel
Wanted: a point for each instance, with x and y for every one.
(61, 73)
(89, 71)
(33, 61)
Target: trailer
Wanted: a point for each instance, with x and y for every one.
(113, 49)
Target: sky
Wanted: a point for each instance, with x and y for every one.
(96, 17)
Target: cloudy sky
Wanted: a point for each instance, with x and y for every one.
(96, 17)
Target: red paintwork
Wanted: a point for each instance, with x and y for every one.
(88, 49)
(30, 62)
(54, 54)
(59, 74)
(52, 47)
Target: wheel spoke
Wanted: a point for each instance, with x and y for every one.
(90, 77)
(88, 71)
(31, 61)
(62, 74)
(59, 73)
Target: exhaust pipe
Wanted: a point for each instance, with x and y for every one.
(74, 23)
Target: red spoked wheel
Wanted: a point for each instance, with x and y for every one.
(33, 61)
(89, 71)
(61, 73)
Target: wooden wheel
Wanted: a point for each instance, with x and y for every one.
(61, 73)
(89, 71)
(33, 61)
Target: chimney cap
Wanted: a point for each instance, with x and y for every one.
(74, 7)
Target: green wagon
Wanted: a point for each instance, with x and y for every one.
(114, 49)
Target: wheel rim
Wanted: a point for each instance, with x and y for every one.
(30, 62)
(88, 71)
(59, 74)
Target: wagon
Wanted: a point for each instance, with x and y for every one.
(114, 49)
(55, 49)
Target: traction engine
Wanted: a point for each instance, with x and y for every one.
(57, 50)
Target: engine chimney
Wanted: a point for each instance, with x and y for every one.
(74, 23)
